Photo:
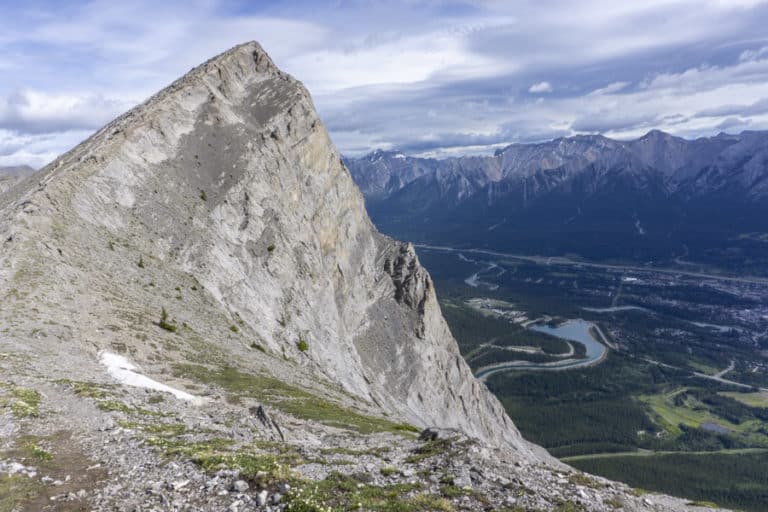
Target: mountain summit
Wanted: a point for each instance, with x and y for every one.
(228, 178)
(200, 280)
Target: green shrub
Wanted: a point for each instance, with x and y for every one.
(35, 452)
(702, 504)
(302, 345)
(405, 427)
(164, 324)
(26, 403)
(429, 449)
(388, 471)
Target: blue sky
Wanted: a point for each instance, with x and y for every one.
(427, 77)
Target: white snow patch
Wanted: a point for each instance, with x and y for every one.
(124, 372)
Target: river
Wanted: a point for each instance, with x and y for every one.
(578, 330)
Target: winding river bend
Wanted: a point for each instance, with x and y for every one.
(578, 330)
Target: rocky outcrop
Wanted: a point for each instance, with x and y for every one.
(412, 283)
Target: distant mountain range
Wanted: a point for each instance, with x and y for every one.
(16, 170)
(10, 175)
(656, 198)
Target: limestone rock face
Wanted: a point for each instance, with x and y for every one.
(223, 200)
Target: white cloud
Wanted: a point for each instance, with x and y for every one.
(747, 55)
(404, 60)
(693, 102)
(610, 88)
(540, 88)
(36, 149)
(30, 111)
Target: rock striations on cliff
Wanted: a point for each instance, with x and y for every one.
(210, 244)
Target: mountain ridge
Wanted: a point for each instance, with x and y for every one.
(562, 147)
(582, 187)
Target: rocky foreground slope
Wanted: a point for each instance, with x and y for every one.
(197, 314)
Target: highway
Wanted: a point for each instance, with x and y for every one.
(561, 260)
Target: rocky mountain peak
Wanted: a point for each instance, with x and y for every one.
(656, 134)
(228, 180)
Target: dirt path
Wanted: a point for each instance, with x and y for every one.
(731, 366)
(650, 453)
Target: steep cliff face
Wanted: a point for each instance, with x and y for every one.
(228, 178)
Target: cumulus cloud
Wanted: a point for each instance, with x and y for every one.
(758, 107)
(36, 150)
(747, 55)
(28, 111)
(609, 89)
(540, 87)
